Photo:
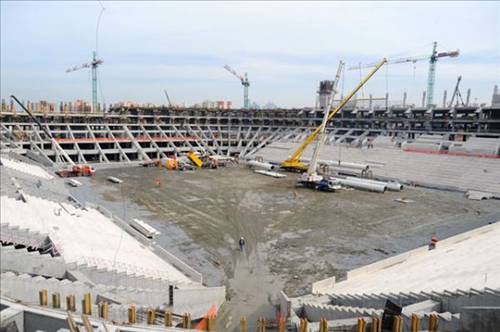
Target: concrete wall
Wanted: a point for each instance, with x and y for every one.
(198, 301)
(484, 319)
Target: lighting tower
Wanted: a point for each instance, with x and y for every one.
(244, 82)
(93, 65)
(433, 58)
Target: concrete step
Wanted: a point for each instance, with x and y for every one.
(451, 300)
(25, 288)
(23, 261)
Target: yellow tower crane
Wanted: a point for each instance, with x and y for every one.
(294, 163)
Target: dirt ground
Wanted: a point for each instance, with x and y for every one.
(294, 236)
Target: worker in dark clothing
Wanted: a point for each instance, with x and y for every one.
(433, 243)
(242, 244)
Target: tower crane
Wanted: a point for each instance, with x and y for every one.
(244, 82)
(93, 65)
(433, 58)
(294, 163)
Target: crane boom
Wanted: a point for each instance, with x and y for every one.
(168, 98)
(457, 93)
(311, 171)
(49, 135)
(294, 161)
(232, 71)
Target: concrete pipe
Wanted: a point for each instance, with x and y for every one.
(392, 186)
(258, 164)
(366, 185)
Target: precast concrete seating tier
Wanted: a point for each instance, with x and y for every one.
(32, 316)
(454, 172)
(314, 312)
(33, 263)
(26, 168)
(451, 301)
(463, 261)
(19, 235)
(25, 287)
(85, 236)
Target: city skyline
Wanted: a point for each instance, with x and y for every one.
(285, 47)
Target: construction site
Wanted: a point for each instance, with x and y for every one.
(361, 213)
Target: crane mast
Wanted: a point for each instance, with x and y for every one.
(244, 81)
(311, 171)
(93, 66)
(432, 76)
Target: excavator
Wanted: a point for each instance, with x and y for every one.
(73, 169)
(294, 163)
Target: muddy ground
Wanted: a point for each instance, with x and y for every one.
(294, 236)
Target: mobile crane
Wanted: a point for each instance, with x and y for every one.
(311, 178)
(293, 163)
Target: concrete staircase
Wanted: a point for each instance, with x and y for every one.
(451, 301)
(33, 263)
(23, 236)
(332, 313)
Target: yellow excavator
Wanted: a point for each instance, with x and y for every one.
(293, 163)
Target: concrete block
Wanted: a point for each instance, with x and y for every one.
(485, 319)
(12, 319)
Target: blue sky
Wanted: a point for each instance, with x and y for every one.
(286, 48)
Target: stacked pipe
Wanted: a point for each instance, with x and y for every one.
(371, 185)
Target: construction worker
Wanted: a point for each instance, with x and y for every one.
(433, 243)
(242, 243)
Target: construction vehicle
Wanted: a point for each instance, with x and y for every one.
(433, 58)
(73, 169)
(311, 178)
(244, 81)
(293, 163)
(76, 170)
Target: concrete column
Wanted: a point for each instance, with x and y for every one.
(423, 99)
(104, 310)
(151, 316)
(404, 99)
(303, 325)
(467, 100)
(43, 297)
(415, 323)
(433, 322)
(132, 315)
(397, 324)
(376, 324)
(261, 324)
(186, 321)
(361, 326)
(323, 325)
(444, 98)
(56, 300)
(168, 318)
(243, 324)
(87, 304)
(70, 303)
